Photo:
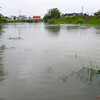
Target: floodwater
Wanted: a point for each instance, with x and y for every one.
(36, 60)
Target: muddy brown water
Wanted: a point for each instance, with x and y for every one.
(34, 55)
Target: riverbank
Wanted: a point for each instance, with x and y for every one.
(20, 21)
(2, 20)
(93, 20)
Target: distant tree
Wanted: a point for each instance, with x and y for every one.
(52, 13)
(0, 14)
(6, 16)
(97, 13)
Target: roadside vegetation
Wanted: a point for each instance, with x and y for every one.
(53, 16)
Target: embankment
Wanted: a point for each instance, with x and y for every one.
(94, 20)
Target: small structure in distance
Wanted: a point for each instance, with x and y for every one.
(36, 18)
(73, 14)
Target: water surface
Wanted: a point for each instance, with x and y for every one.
(34, 55)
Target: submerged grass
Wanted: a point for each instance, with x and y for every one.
(89, 74)
(85, 74)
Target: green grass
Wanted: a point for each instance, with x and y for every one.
(93, 20)
(2, 19)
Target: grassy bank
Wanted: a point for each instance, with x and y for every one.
(2, 19)
(94, 20)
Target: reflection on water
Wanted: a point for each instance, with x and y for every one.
(2, 74)
(77, 27)
(0, 29)
(2, 48)
(97, 29)
(19, 34)
(53, 29)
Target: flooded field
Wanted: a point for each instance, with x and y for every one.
(49, 62)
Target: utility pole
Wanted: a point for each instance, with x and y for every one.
(0, 8)
(82, 10)
(91, 13)
(87, 12)
(19, 13)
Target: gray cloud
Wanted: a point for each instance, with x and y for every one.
(39, 7)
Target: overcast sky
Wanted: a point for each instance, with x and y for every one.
(40, 7)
